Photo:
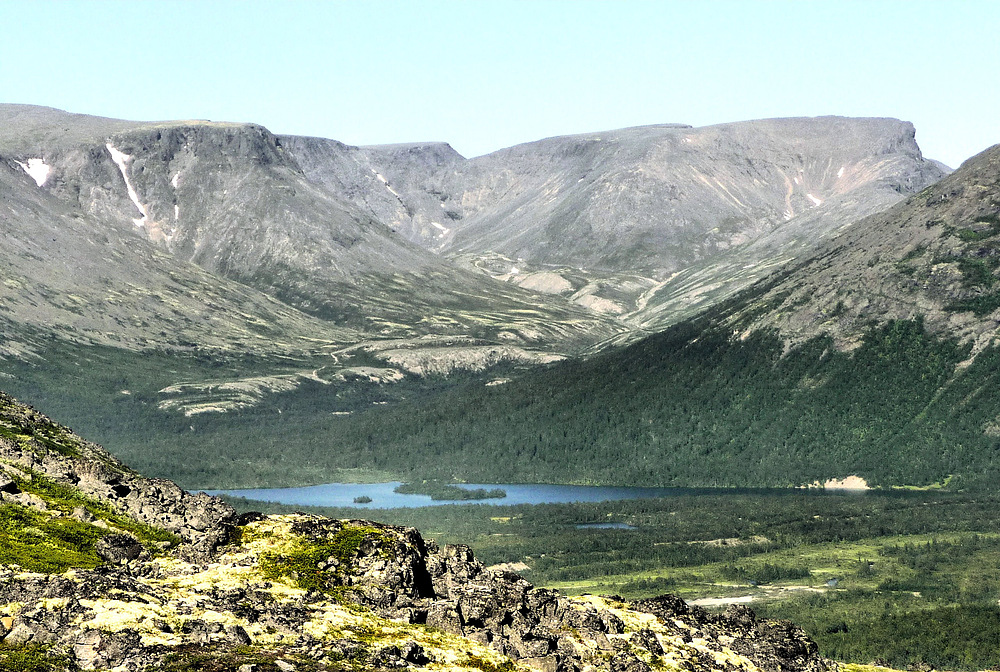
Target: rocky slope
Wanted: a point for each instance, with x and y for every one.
(104, 569)
(695, 213)
(935, 255)
(218, 204)
(64, 274)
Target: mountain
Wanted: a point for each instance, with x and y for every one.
(101, 568)
(877, 357)
(651, 223)
(225, 203)
(266, 293)
(67, 275)
(200, 246)
(933, 256)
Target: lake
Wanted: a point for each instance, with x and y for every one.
(383, 497)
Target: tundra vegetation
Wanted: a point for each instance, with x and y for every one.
(902, 577)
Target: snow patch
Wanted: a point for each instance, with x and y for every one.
(36, 169)
(177, 212)
(515, 270)
(443, 229)
(798, 180)
(121, 159)
(173, 181)
(840, 173)
(814, 200)
(381, 178)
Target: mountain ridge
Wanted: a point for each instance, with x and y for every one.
(697, 213)
(226, 197)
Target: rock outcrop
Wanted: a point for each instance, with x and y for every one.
(126, 573)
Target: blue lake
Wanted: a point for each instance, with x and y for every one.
(383, 497)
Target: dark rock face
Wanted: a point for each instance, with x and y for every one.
(120, 548)
(771, 645)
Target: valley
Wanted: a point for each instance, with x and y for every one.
(255, 290)
(742, 309)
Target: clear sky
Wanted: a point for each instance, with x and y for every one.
(484, 75)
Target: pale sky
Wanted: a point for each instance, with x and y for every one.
(484, 75)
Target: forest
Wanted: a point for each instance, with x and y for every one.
(687, 407)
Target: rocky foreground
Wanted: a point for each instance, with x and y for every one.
(103, 569)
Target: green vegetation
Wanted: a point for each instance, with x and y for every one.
(65, 499)
(40, 543)
(215, 658)
(53, 541)
(976, 273)
(977, 263)
(759, 574)
(982, 304)
(868, 627)
(33, 658)
(446, 492)
(319, 565)
(984, 228)
(906, 577)
(691, 407)
(477, 663)
(113, 397)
